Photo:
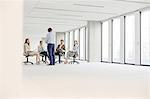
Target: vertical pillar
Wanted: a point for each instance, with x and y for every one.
(94, 34)
(122, 39)
(110, 41)
(87, 44)
(138, 38)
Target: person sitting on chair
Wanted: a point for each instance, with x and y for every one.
(73, 53)
(60, 50)
(42, 51)
(76, 47)
(27, 51)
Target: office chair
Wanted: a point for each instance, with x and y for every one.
(44, 61)
(27, 61)
(74, 55)
(74, 60)
(60, 54)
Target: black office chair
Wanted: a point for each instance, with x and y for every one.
(74, 60)
(27, 61)
(59, 54)
(74, 55)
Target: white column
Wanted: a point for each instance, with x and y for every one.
(94, 34)
(122, 39)
(110, 41)
(137, 38)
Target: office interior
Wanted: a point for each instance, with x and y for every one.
(115, 33)
(114, 49)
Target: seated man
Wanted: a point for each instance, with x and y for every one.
(42, 51)
(60, 50)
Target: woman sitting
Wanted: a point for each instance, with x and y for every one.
(27, 51)
(42, 51)
(73, 53)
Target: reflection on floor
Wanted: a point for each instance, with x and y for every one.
(110, 81)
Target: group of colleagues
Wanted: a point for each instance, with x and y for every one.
(51, 52)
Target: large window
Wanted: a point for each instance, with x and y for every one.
(82, 43)
(145, 38)
(67, 40)
(76, 35)
(130, 39)
(71, 40)
(105, 32)
(116, 40)
(86, 45)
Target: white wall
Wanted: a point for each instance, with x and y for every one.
(1, 31)
(94, 34)
(11, 47)
(148, 88)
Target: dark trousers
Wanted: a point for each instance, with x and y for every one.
(59, 56)
(44, 53)
(50, 49)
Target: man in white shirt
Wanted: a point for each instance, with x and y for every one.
(50, 40)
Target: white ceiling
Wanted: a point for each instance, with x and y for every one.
(64, 15)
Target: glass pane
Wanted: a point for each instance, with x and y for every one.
(105, 31)
(82, 43)
(130, 39)
(71, 40)
(145, 38)
(116, 40)
(76, 35)
(67, 41)
(87, 45)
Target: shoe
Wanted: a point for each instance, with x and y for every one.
(49, 64)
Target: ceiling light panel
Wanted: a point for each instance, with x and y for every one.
(88, 5)
(53, 24)
(71, 10)
(54, 14)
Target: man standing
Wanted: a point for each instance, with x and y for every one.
(50, 40)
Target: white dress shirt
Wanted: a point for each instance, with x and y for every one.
(50, 38)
